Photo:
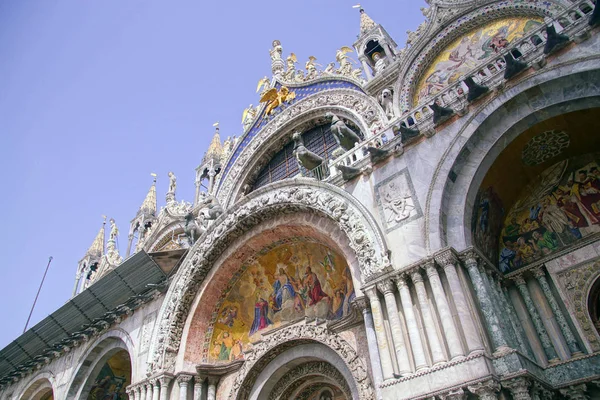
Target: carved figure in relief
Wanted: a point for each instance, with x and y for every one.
(329, 70)
(172, 182)
(275, 98)
(264, 84)
(305, 157)
(192, 229)
(276, 51)
(248, 116)
(299, 76)
(379, 61)
(343, 135)
(344, 61)
(290, 72)
(214, 208)
(114, 231)
(311, 68)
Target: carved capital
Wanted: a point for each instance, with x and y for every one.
(519, 388)
(361, 303)
(576, 392)
(539, 272)
(446, 258)
(416, 276)
(386, 286)
(519, 280)
(213, 380)
(401, 281)
(485, 390)
(183, 379)
(165, 380)
(457, 394)
(470, 258)
(430, 268)
(372, 294)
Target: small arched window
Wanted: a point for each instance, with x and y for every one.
(284, 165)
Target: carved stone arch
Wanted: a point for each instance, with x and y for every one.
(162, 236)
(37, 386)
(290, 383)
(92, 360)
(278, 342)
(284, 197)
(420, 57)
(363, 110)
(487, 131)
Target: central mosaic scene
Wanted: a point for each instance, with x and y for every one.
(283, 283)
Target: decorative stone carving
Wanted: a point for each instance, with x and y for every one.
(315, 368)
(456, 394)
(291, 196)
(519, 388)
(396, 200)
(575, 392)
(544, 146)
(576, 283)
(275, 343)
(485, 390)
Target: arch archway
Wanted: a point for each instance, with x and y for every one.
(488, 131)
(106, 367)
(593, 304)
(41, 387)
(322, 201)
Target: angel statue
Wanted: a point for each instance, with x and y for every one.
(344, 61)
(299, 76)
(263, 84)
(172, 182)
(114, 231)
(276, 98)
(329, 70)
(249, 115)
(290, 73)
(276, 51)
(311, 68)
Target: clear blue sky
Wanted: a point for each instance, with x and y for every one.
(97, 94)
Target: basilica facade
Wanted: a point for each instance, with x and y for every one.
(421, 223)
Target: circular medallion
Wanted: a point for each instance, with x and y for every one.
(544, 146)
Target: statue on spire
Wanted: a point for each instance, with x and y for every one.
(114, 231)
(172, 182)
(276, 58)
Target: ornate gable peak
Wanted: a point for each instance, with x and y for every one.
(215, 149)
(366, 23)
(96, 250)
(148, 206)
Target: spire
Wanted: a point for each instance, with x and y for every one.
(97, 247)
(215, 149)
(149, 204)
(366, 23)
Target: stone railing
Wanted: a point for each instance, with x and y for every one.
(529, 50)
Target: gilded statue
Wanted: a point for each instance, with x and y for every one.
(277, 98)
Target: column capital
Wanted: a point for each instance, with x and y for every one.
(539, 272)
(575, 392)
(401, 281)
(446, 258)
(184, 378)
(457, 394)
(416, 276)
(485, 390)
(361, 303)
(470, 258)
(371, 293)
(154, 381)
(386, 286)
(213, 380)
(165, 380)
(519, 388)
(518, 279)
(430, 268)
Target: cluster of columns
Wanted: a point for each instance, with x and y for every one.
(158, 388)
(406, 341)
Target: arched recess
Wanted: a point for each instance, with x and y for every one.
(289, 349)
(364, 112)
(420, 57)
(593, 304)
(291, 196)
(114, 345)
(489, 130)
(40, 387)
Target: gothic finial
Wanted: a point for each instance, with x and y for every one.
(366, 23)
(215, 149)
(149, 204)
(97, 247)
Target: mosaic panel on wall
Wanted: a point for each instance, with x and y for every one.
(112, 380)
(466, 52)
(283, 283)
(559, 208)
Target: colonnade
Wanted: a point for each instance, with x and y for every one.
(158, 388)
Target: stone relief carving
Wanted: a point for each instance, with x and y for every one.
(576, 283)
(277, 342)
(396, 200)
(366, 108)
(319, 368)
(146, 332)
(288, 196)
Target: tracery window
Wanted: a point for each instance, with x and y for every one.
(284, 165)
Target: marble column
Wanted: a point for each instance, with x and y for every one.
(366, 68)
(129, 392)
(137, 392)
(164, 387)
(437, 353)
(485, 301)
(472, 338)
(387, 288)
(155, 389)
(362, 304)
(411, 322)
(211, 393)
(183, 381)
(148, 390)
(540, 275)
(519, 388)
(507, 306)
(198, 386)
(489, 282)
(382, 344)
(535, 318)
(487, 390)
(454, 345)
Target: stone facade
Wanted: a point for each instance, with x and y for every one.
(419, 310)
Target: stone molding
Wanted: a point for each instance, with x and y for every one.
(285, 386)
(294, 195)
(276, 342)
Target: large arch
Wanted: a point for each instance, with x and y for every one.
(97, 354)
(364, 111)
(423, 53)
(291, 347)
(487, 131)
(284, 197)
(40, 387)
